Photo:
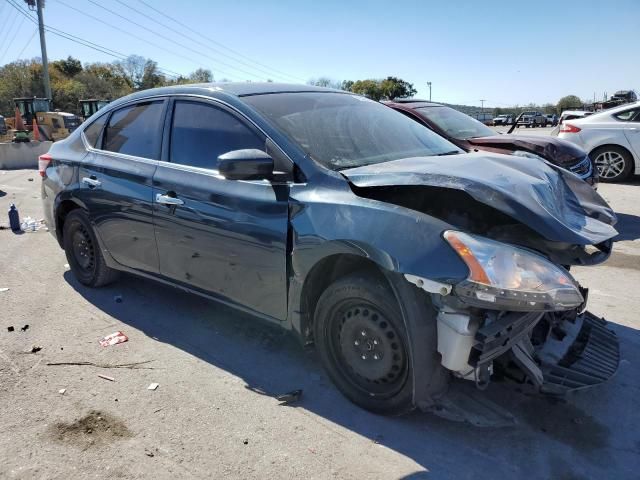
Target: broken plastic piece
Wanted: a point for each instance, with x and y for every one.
(36, 349)
(10, 328)
(153, 386)
(289, 397)
(107, 377)
(4, 289)
(25, 328)
(62, 390)
(113, 339)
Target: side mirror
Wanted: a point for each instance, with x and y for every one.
(248, 164)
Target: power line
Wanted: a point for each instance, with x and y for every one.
(27, 44)
(10, 42)
(130, 34)
(5, 32)
(216, 42)
(82, 41)
(191, 39)
(160, 35)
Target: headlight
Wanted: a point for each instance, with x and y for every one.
(510, 278)
(522, 153)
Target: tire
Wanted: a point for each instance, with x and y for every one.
(362, 342)
(614, 163)
(83, 251)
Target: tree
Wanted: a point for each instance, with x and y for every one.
(201, 75)
(326, 82)
(568, 103)
(69, 67)
(389, 88)
(393, 87)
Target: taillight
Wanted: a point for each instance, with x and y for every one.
(568, 128)
(43, 163)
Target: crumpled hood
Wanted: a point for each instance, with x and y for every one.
(553, 202)
(556, 150)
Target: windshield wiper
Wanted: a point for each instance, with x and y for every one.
(452, 152)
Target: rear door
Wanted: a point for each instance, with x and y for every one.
(225, 237)
(632, 132)
(116, 182)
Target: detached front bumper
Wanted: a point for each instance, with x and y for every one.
(554, 352)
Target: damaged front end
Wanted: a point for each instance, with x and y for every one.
(518, 228)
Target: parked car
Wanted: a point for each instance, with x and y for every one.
(552, 119)
(612, 138)
(503, 120)
(469, 134)
(532, 119)
(405, 260)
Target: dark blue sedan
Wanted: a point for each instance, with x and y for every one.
(405, 260)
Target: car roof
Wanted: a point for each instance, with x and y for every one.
(413, 102)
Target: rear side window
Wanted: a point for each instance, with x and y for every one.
(628, 115)
(93, 131)
(201, 132)
(136, 130)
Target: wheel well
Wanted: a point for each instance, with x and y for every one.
(633, 162)
(66, 207)
(323, 274)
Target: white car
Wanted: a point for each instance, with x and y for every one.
(612, 139)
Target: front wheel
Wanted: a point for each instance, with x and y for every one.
(83, 252)
(362, 342)
(614, 163)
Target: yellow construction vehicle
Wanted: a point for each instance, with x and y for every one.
(52, 125)
(90, 106)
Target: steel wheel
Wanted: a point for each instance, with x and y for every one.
(363, 340)
(611, 165)
(83, 249)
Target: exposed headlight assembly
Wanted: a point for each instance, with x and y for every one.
(510, 278)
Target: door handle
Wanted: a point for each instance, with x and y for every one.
(92, 181)
(167, 200)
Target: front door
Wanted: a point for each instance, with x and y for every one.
(225, 237)
(116, 182)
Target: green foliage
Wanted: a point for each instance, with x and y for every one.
(69, 67)
(201, 75)
(570, 102)
(388, 88)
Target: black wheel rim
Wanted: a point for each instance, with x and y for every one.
(367, 348)
(83, 249)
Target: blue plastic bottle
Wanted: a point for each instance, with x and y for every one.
(14, 218)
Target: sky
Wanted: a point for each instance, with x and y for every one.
(505, 52)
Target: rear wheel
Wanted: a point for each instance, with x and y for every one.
(614, 163)
(362, 343)
(83, 252)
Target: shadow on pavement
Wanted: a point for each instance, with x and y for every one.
(628, 227)
(591, 435)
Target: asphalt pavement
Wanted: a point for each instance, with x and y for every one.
(214, 413)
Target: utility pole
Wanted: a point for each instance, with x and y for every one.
(429, 83)
(482, 107)
(43, 46)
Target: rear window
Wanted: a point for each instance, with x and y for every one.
(136, 130)
(93, 131)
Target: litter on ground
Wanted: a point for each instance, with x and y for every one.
(113, 339)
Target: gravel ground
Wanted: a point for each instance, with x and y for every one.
(214, 414)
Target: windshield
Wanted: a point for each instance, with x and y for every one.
(343, 131)
(456, 124)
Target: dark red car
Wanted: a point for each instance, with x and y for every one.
(469, 134)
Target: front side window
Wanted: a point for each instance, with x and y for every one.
(201, 132)
(340, 130)
(456, 124)
(136, 130)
